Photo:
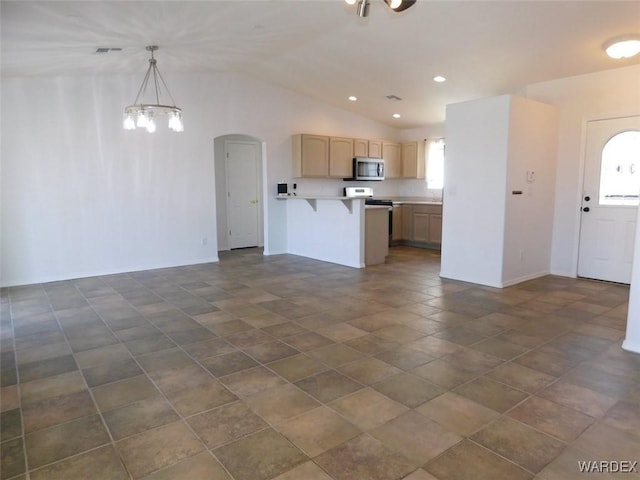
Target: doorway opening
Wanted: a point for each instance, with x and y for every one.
(239, 192)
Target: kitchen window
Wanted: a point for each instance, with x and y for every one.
(435, 163)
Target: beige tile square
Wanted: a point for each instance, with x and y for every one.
(251, 381)
(494, 395)
(410, 390)
(335, 354)
(139, 417)
(368, 409)
(549, 417)
(225, 424)
(260, 456)
(97, 356)
(420, 475)
(328, 386)
(579, 398)
(57, 410)
(201, 397)
(199, 467)
(158, 448)
(102, 463)
(610, 442)
(297, 367)
(9, 397)
(306, 471)
(279, 403)
(415, 437)
(469, 461)
(341, 332)
(50, 387)
(62, 441)
(318, 430)
(519, 443)
(369, 370)
(364, 457)
(117, 394)
(521, 377)
(458, 414)
(443, 373)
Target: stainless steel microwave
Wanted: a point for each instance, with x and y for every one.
(365, 168)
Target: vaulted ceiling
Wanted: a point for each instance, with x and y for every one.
(323, 49)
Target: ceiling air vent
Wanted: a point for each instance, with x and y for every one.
(394, 97)
(108, 49)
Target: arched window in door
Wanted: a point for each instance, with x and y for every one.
(620, 170)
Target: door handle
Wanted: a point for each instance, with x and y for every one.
(585, 209)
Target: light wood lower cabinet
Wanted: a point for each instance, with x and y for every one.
(417, 225)
(396, 232)
(376, 235)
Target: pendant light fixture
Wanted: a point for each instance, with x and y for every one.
(395, 5)
(142, 114)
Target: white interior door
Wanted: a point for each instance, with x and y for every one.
(242, 169)
(610, 199)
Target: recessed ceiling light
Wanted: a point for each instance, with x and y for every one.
(623, 47)
(396, 115)
(353, 98)
(439, 79)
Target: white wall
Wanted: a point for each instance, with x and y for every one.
(529, 217)
(605, 94)
(475, 181)
(83, 197)
(329, 230)
(497, 226)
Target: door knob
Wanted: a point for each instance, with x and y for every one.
(585, 209)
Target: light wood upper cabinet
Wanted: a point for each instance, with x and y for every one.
(375, 149)
(360, 147)
(319, 156)
(391, 153)
(413, 160)
(340, 157)
(310, 155)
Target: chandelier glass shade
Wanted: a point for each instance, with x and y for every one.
(395, 5)
(143, 115)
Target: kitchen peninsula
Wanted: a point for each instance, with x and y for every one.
(333, 229)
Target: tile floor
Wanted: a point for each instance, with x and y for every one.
(282, 367)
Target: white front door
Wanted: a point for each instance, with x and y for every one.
(242, 169)
(610, 199)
